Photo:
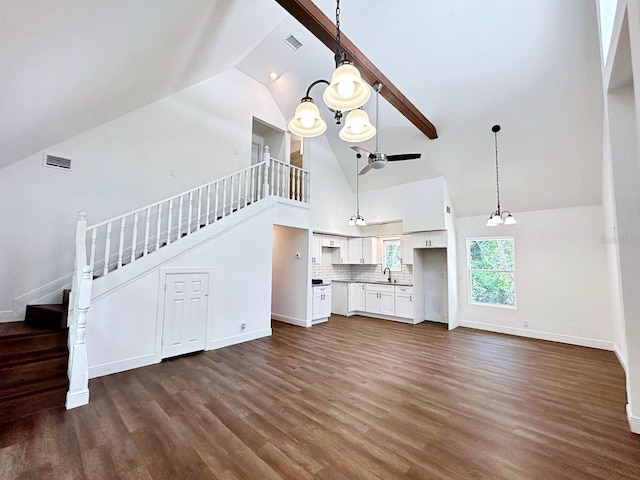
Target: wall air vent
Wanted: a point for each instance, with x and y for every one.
(293, 42)
(57, 162)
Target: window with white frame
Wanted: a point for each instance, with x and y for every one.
(391, 254)
(492, 271)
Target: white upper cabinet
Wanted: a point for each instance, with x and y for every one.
(363, 251)
(433, 239)
(340, 255)
(406, 249)
(316, 250)
(329, 241)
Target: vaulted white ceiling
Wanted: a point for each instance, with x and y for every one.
(532, 66)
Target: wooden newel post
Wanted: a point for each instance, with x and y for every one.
(78, 369)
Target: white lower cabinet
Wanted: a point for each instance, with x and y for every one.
(404, 302)
(321, 309)
(361, 296)
(380, 299)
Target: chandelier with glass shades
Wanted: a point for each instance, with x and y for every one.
(496, 218)
(346, 91)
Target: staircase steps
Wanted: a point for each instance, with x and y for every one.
(33, 362)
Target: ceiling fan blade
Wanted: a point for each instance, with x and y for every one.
(403, 156)
(365, 170)
(361, 151)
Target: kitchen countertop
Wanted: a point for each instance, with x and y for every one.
(375, 283)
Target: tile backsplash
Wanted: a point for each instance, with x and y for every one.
(361, 273)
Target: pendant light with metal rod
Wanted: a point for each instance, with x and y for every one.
(357, 219)
(346, 91)
(495, 218)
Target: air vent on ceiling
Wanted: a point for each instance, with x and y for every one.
(293, 42)
(57, 162)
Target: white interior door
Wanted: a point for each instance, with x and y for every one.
(185, 313)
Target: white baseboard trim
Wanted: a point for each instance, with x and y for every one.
(621, 359)
(7, 316)
(122, 365)
(634, 422)
(526, 332)
(235, 339)
(388, 317)
(49, 293)
(77, 399)
(292, 320)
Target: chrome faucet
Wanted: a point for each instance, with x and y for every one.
(387, 269)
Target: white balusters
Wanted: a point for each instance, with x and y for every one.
(134, 236)
(271, 182)
(180, 217)
(169, 221)
(199, 209)
(206, 221)
(265, 180)
(215, 207)
(224, 197)
(121, 242)
(107, 247)
(92, 256)
(231, 195)
(145, 250)
(233, 192)
(158, 225)
(189, 213)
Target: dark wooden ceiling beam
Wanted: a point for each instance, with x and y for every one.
(309, 15)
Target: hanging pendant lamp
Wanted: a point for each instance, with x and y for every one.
(496, 218)
(357, 219)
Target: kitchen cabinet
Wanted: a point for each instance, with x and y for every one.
(432, 239)
(404, 302)
(363, 251)
(406, 249)
(353, 294)
(321, 309)
(316, 249)
(329, 241)
(340, 255)
(380, 299)
(360, 298)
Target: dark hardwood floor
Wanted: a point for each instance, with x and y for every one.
(349, 399)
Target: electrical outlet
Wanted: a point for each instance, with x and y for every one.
(525, 323)
(243, 326)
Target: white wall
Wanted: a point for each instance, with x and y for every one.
(200, 134)
(239, 292)
(290, 275)
(420, 205)
(332, 200)
(621, 184)
(561, 277)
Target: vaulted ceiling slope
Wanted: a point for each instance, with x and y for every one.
(67, 66)
(532, 66)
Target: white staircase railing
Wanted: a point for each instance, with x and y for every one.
(112, 244)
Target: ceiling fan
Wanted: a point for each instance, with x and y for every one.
(378, 159)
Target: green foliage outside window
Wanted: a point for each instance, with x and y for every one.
(492, 271)
(391, 255)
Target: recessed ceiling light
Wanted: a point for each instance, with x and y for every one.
(273, 75)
